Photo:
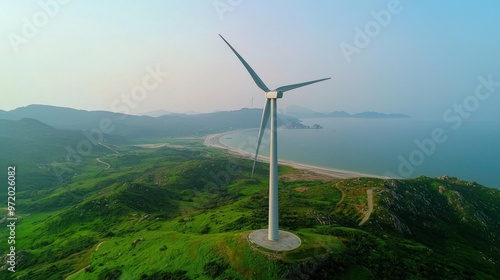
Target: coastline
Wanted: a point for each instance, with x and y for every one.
(213, 141)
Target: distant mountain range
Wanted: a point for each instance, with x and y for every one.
(139, 126)
(302, 112)
(166, 125)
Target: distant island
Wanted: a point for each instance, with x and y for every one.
(302, 112)
(299, 125)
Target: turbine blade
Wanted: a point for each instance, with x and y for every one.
(254, 75)
(294, 86)
(263, 123)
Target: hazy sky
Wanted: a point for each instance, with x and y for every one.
(422, 58)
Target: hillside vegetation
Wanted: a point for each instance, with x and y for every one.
(185, 213)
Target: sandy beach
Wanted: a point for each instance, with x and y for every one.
(213, 140)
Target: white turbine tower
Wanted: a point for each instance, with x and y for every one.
(273, 233)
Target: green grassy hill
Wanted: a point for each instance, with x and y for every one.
(117, 211)
(185, 213)
(45, 156)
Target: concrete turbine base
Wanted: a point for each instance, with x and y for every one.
(287, 241)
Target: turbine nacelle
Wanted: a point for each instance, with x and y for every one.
(274, 94)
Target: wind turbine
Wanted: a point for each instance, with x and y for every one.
(270, 110)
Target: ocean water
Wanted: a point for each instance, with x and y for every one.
(402, 148)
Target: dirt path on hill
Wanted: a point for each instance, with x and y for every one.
(106, 146)
(73, 274)
(108, 165)
(343, 194)
(369, 196)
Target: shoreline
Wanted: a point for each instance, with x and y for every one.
(213, 140)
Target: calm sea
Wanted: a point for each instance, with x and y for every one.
(389, 147)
